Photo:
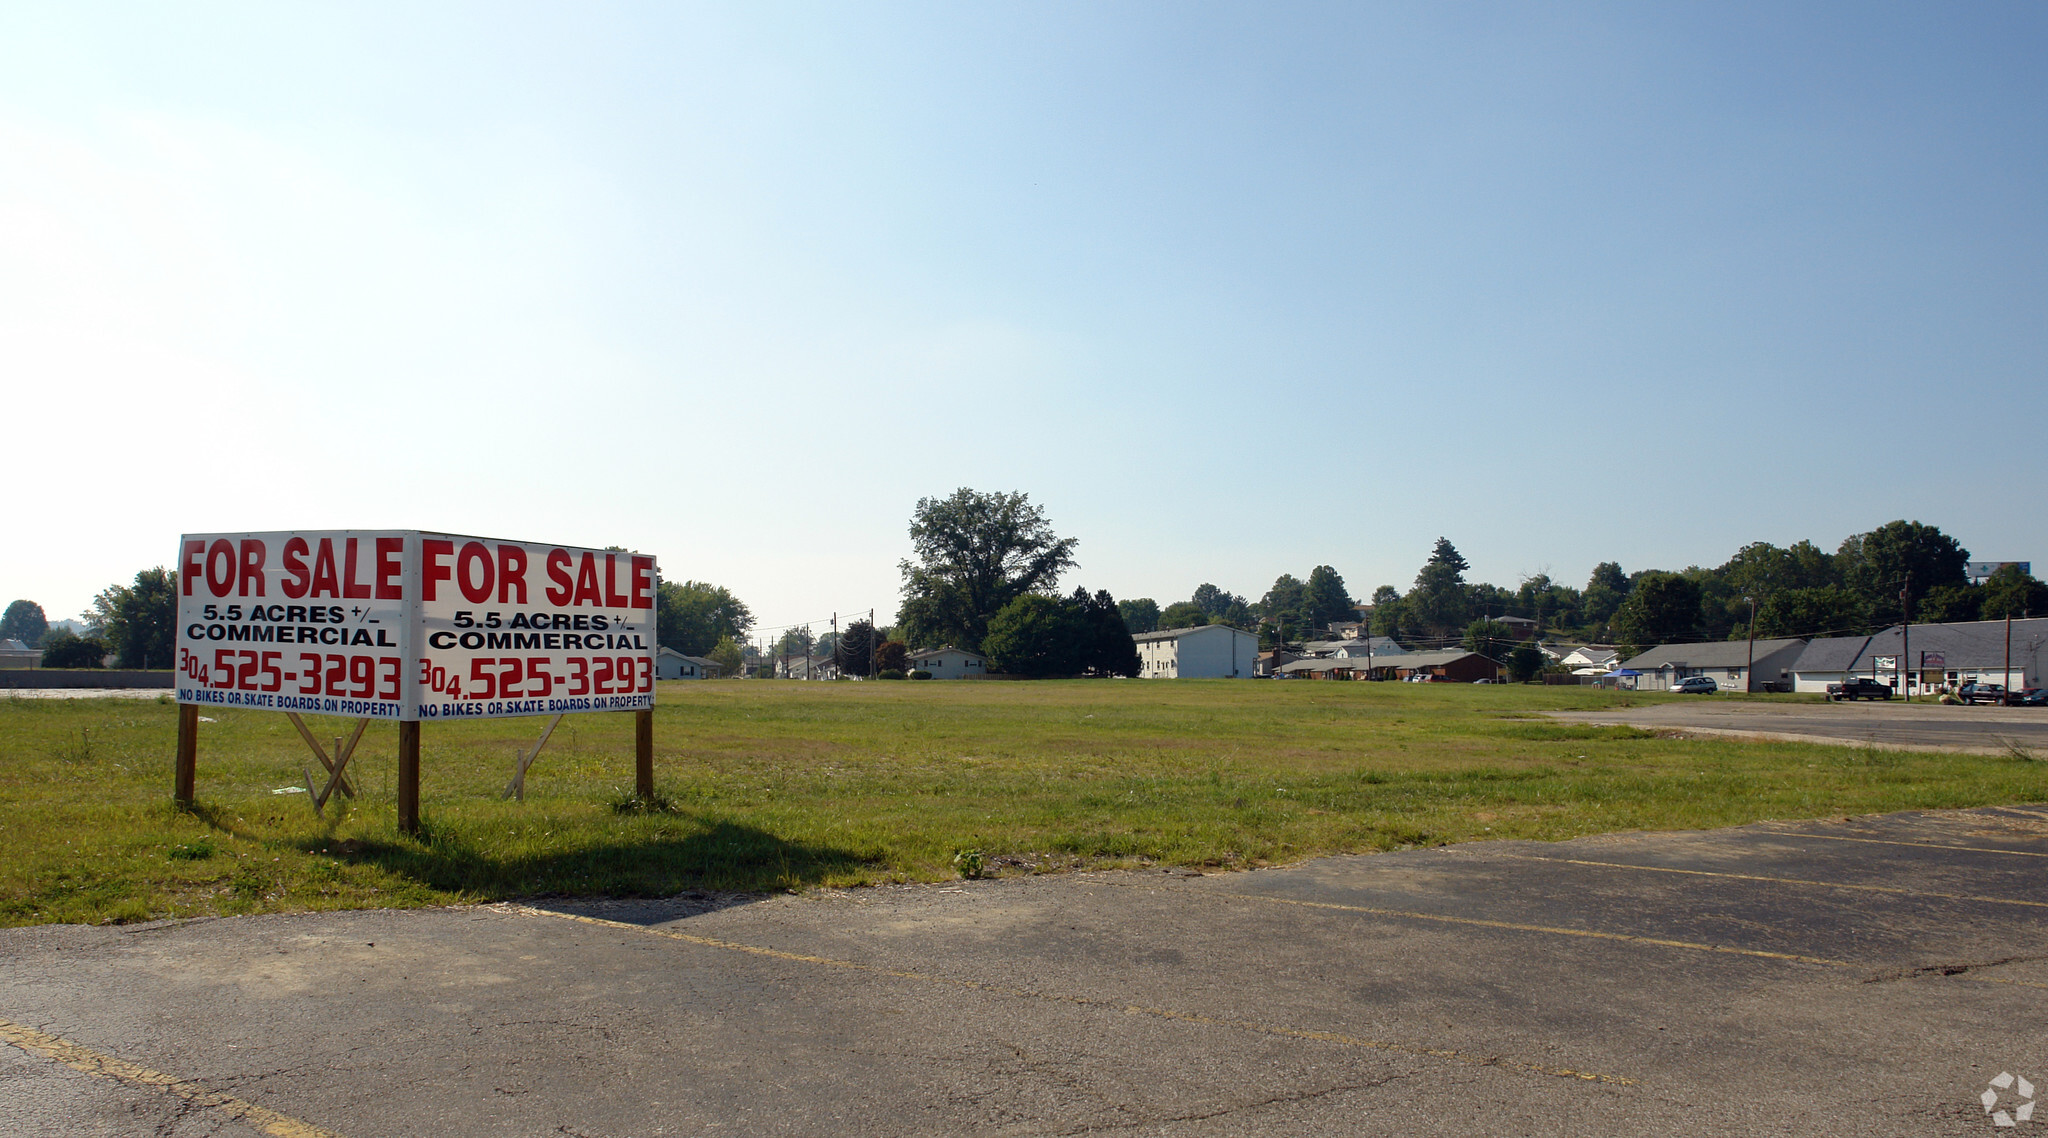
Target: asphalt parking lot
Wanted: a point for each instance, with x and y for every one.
(1922, 725)
(1852, 976)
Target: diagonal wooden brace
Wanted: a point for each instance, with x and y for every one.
(517, 787)
(320, 752)
(342, 752)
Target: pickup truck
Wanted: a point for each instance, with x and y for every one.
(1982, 693)
(1859, 689)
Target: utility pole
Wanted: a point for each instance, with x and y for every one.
(1906, 633)
(1749, 673)
(874, 646)
(835, 637)
(2007, 685)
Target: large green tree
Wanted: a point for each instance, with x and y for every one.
(1283, 604)
(1035, 635)
(1140, 615)
(24, 621)
(1106, 645)
(2011, 593)
(1325, 600)
(1662, 608)
(1183, 614)
(1439, 605)
(65, 649)
(855, 649)
(692, 616)
(1604, 592)
(973, 554)
(139, 621)
(1896, 558)
(1820, 610)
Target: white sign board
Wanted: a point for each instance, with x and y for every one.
(406, 625)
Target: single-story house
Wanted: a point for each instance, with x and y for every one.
(1207, 652)
(1381, 646)
(1827, 660)
(1934, 655)
(798, 666)
(1273, 660)
(670, 664)
(1453, 664)
(949, 663)
(1726, 662)
(1521, 627)
(1602, 658)
(15, 654)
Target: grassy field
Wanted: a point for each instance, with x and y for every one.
(782, 785)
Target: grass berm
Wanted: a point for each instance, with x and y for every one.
(784, 785)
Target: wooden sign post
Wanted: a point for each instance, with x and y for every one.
(408, 626)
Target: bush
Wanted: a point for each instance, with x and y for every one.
(66, 650)
(889, 674)
(920, 674)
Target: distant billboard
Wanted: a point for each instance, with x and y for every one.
(1979, 570)
(411, 625)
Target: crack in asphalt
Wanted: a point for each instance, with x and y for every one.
(1954, 969)
(1234, 1108)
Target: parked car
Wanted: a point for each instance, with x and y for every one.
(1982, 693)
(1697, 685)
(1859, 688)
(2032, 697)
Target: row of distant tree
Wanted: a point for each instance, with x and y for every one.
(1871, 581)
(985, 569)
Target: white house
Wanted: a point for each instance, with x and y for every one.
(1590, 660)
(1726, 662)
(15, 654)
(949, 663)
(670, 664)
(1212, 651)
(799, 666)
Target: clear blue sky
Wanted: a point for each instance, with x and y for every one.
(1230, 290)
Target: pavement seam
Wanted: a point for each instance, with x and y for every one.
(1781, 880)
(1089, 1002)
(194, 1096)
(1896, 842)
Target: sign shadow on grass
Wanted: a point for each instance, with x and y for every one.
(698, 869)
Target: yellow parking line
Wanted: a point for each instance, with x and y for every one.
(1893, 842)
(1084, 1001)
(1593, 934)
(92, 1062)
(1785, 880)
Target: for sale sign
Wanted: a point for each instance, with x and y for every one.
(408, 625)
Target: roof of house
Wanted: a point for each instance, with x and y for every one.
(15, 646)
(1407, 660)
(1177, 633)
(939, 651)
(1831, 654)
(1975, 644)
(1513, 620)
(1707, 654)
(1381, 646)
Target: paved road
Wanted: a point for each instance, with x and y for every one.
(1866, 976)
(1891, 724)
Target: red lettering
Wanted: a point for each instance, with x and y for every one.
(253, 557)
(325, 581)
(432, 567)
(511, 575)
(191, 565)
(613, 598)
(349, 587)
(297, 578)
(474, 553)
(558, 572)
(643, 582)
(220, 555)
(390, 568)
(586, 581)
